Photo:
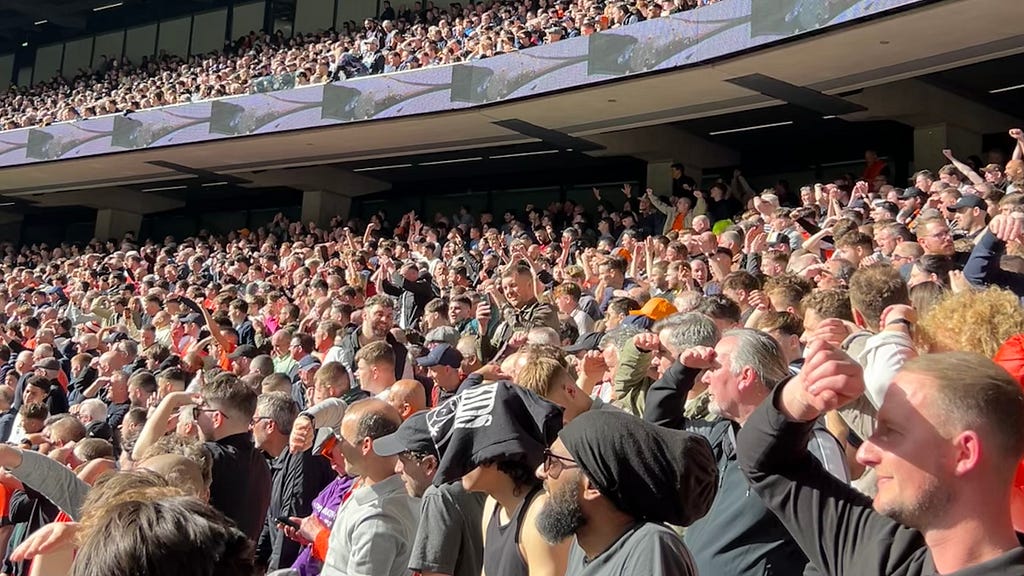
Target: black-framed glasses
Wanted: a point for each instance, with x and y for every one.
(555, 464)
(257, 419)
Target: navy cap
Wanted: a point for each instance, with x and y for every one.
(413, 435)
(191, 318)
(969, 201)
(441, 355)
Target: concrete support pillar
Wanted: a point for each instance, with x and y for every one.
(931, 140)
(659, 177)
(111, 223)
(321, 206)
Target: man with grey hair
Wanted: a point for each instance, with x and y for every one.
(675, 334)
(92, 410)
(296, 478)
(739, 536)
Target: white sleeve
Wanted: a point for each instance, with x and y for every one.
(883, 355)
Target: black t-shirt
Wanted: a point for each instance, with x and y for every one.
(241, 482)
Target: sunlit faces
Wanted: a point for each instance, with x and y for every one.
(913, 462)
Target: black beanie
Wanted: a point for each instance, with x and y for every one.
(652, 473)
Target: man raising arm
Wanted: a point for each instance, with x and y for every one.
(950, 433)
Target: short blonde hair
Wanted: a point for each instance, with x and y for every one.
(973, 321)
(541, 374)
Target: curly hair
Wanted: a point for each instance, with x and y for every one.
(972, 321)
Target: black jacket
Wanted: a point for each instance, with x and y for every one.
(296, 479)
(739, 536)
(834, 525)
(78, 385)
(982, 268)
(29, 511)
(246, 333)
(350, 346)
(412, 299)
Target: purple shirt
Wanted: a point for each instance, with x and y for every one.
(325, 507)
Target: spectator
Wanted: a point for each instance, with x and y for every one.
(901, 532)
(296, 479)
(615, 525)
(741, 371)
(449, 537)
(375, 534)
(241, 477)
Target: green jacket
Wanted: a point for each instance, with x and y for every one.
(631, 380)
(532, 315)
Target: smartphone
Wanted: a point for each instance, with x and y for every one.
(287, 522)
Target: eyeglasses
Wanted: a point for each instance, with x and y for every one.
(256, 420)
(940, 235)
(555, 464)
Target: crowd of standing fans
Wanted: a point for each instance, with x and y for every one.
(402, 38)
(710, 381)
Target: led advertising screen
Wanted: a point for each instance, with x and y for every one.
(683, 39)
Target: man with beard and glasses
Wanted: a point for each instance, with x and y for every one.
(946, 448)
(613, 482)
(378, 319)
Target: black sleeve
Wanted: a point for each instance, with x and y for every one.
(833, 524)
(752, 262)
(982, 268)
(21, 505)
(666, 398)
(421, 290)
(264, 544)
(389, 288)
(6, 425)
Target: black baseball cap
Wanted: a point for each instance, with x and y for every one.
(969, 201)
(244, 351)
(413, 435)
(912, 192)
(441, 355)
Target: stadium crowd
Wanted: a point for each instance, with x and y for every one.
(703, 382)
(404, 39)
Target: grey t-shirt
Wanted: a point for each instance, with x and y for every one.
(449, 539)
(646, 548)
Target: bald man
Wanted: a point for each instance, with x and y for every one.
(374, 532)
(181, 472)
(408, 397)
